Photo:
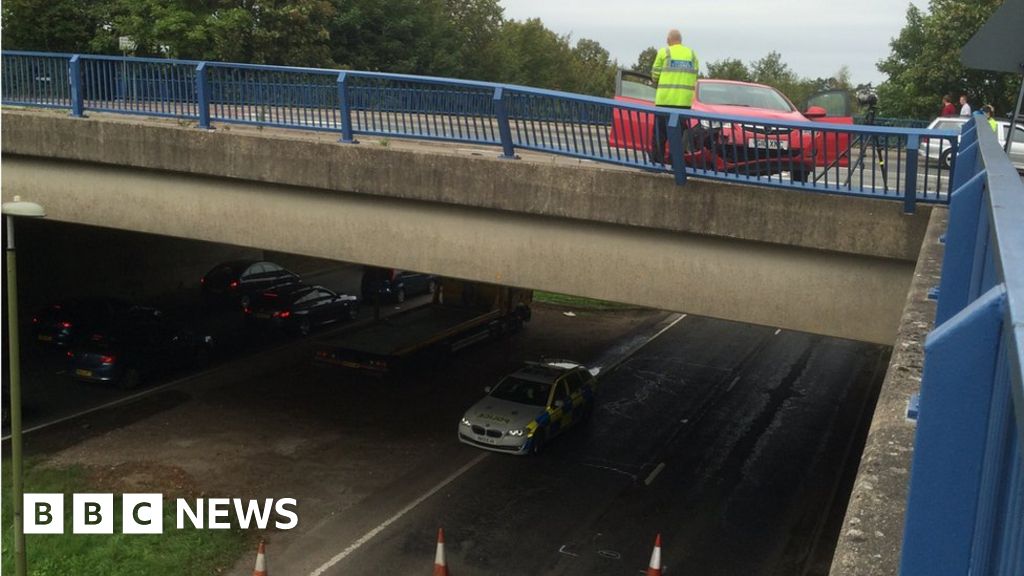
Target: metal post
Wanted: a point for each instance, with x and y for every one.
(965, 165)
(346, 110)
(1016, 113)
(504, 128)
(203, 95)
(14, 365)
(675, 146)
(75, 71)
(910, 184)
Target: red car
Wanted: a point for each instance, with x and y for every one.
(753, 149)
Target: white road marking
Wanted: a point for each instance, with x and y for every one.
(777, 332)
(611, 469)
(110, 404)
(615, 362)
(383, 525)
(654, 474)
(567, 553)
(732, 384)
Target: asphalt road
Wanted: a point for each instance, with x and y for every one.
(730, 440)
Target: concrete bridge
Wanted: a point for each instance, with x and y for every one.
(828, 264)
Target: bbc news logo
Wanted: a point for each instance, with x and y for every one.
(144, 513)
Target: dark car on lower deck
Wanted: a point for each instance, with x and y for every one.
(300, 308)
(390, 285)
(237, 281)
(139, 345)
(61, 323)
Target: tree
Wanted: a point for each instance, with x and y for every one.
(48, 25)
(404, 36)
(473, 38)
(773, 71)
(728, 69)
(539, 56)
(593, 69)
(924, 62)
(645, 61)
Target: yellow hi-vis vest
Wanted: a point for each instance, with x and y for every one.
(675, 72)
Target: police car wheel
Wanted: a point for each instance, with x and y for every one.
(588, 412)
(131, 379)
(539, 439)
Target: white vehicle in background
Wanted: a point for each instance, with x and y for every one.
(939, 150)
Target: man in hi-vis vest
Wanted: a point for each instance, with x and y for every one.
(675, 74)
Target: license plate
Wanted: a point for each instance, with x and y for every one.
(83, 372)
(45, 338)
(487, 440)
(262, 315)
(767, 144)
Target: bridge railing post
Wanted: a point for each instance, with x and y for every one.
(504, 127)
(964, 161)
(910, 181)
(203, 95)
(75, 75)
(675, 146)
(959, 380)
(961, 260)
(345, 110)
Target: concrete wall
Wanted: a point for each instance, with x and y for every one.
(827, 264)
(872, 533)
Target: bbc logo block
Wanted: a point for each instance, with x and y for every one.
(144, 513)
(94, 514)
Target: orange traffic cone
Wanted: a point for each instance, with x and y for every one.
(261, 561)
(440, 565)
(655, 567)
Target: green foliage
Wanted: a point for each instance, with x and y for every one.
(48, 25)
(578, 302)
(187, 551)
(728, 69)
(773, 71)
(645, 61)
(457, 38)
(924, 62)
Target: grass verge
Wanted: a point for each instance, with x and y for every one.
(578, 302)
(187, 551)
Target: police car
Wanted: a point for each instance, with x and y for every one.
(529, 407)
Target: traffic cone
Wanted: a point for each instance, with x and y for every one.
(261, 561)
(655, 567)
(440, 565)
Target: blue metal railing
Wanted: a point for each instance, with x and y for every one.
(965, 512)
(899, 163)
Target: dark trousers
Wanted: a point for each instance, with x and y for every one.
(661, 135)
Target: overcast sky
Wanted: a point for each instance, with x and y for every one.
(814, 37)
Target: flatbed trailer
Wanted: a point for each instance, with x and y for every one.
(461, 315)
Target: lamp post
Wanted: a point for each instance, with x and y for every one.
(10, 211)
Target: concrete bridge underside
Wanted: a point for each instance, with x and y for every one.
(831, 265)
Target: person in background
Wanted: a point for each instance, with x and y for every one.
(948, 109)
(965, 107)
(674, 72)
(989, 112)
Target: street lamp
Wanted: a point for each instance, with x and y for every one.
(10, 210)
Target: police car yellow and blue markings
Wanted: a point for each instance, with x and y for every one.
(554, 420)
